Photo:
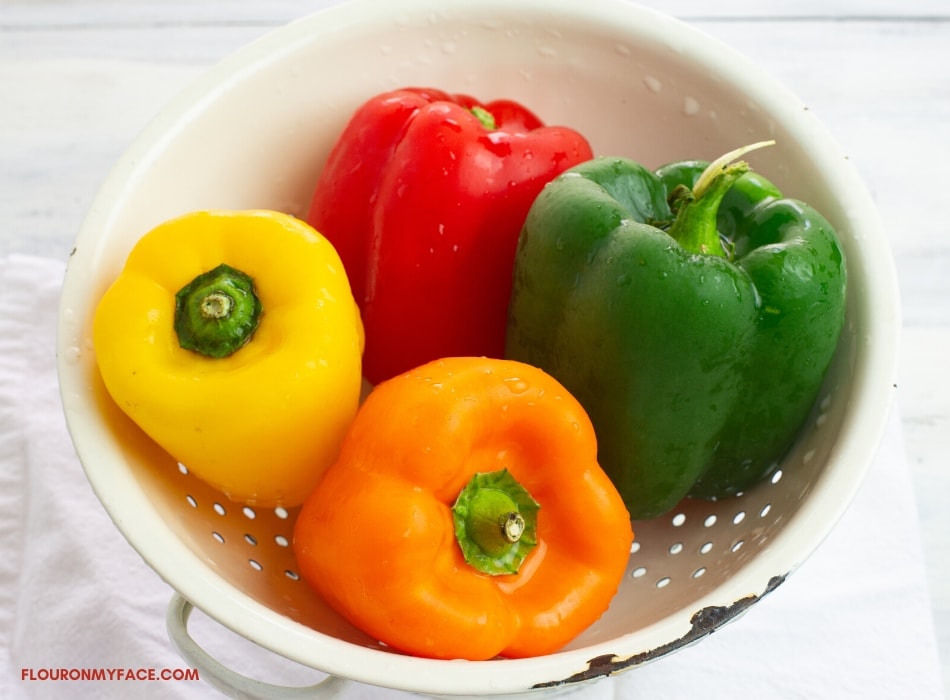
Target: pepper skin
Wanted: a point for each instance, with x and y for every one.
(381, 538)
(696, 338)
(423, 196)
(262, 419)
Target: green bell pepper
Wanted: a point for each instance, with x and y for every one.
(693, 311)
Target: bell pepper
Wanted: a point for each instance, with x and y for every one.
(423, 196)
(693, 311)
(233, 341)
(467, 516)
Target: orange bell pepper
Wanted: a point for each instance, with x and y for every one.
(467, 516)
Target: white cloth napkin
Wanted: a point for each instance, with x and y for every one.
(853, 622)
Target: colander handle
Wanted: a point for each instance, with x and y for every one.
(229, 682)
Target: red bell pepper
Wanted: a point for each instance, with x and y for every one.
(423, 196)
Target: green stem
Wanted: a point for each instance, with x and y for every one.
(495, 523)
(485, 117)
(695, 227)
(217, 312)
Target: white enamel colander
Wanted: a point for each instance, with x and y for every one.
(254, 131)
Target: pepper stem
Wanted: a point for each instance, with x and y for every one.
(694, 227)
(485, 117)
(217, 312)
(495, 523)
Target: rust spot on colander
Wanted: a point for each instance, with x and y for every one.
(704, 622)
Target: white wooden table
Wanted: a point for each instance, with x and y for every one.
(79, 78)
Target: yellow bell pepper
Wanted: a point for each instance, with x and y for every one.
(233, 340)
